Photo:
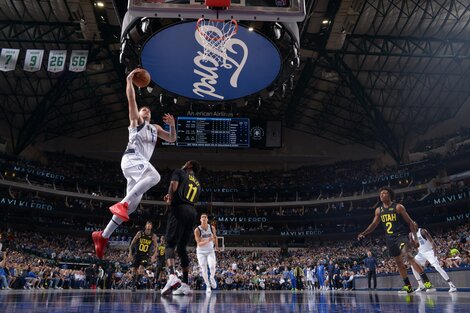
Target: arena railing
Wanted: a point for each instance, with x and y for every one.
(218, 204)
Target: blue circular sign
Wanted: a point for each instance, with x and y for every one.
(174, 58)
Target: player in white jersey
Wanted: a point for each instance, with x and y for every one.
(426, 252)
(135, 163)
(310, 274)
(206, 240)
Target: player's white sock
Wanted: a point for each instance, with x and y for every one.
(133, 205)
(114, 223)
(205, 276)
(418, 278)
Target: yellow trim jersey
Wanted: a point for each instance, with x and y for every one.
(188, 190)
(161, 250)
(144, 244)
(392, 221)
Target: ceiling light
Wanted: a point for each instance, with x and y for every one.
(325, 21)
(100, 4)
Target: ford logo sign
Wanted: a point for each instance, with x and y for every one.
(174, 59)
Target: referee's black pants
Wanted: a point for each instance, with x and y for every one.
(372, 274)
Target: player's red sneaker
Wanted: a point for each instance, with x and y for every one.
(120, 210)
(100, 243)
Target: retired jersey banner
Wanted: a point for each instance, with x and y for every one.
(56, 61)
(8, 59)
(33, 60)
(78, 60)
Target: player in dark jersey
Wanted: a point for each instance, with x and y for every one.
(143, 243)
(160, 258)
(183, 193)
(396, 223)
(3, 248)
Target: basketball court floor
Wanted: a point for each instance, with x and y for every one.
(55, 301)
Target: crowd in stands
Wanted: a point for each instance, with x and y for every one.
(84, 175)
(346, 178)
(426, 145)
(85, 215)
(39, 260)
(35, 260)
(81, 214)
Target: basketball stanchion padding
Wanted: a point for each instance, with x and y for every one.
(218, 4)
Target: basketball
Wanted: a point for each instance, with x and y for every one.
(141, 79)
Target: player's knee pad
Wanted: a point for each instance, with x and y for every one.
(202, 263)
(212, 267)
(169, 253)
(436, 265)
(154, 175)
(183, 254)
(184, 260)
(133, 206)
(211, 262)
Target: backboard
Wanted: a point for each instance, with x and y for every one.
(241, 10)
(165, 39)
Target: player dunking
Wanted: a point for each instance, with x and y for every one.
(143, 243)
(183, 193)
(394, 219)
(206, 240)
(427, 252)
(135, 164)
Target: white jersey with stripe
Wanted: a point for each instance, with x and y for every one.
(204, 235)
(424, 244)
(143, 139)
(310, 274)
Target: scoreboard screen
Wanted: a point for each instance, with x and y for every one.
(223, 132)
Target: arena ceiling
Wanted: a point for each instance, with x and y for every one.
(376, 72)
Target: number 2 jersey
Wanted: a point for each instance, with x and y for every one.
(392, 221)
(188, 190)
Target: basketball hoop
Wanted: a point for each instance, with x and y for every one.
(214, 35)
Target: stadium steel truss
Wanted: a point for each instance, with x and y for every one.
(372, 72)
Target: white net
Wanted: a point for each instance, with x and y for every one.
(214, 35)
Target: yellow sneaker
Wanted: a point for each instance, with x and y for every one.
(429, 287)
(406, 289)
